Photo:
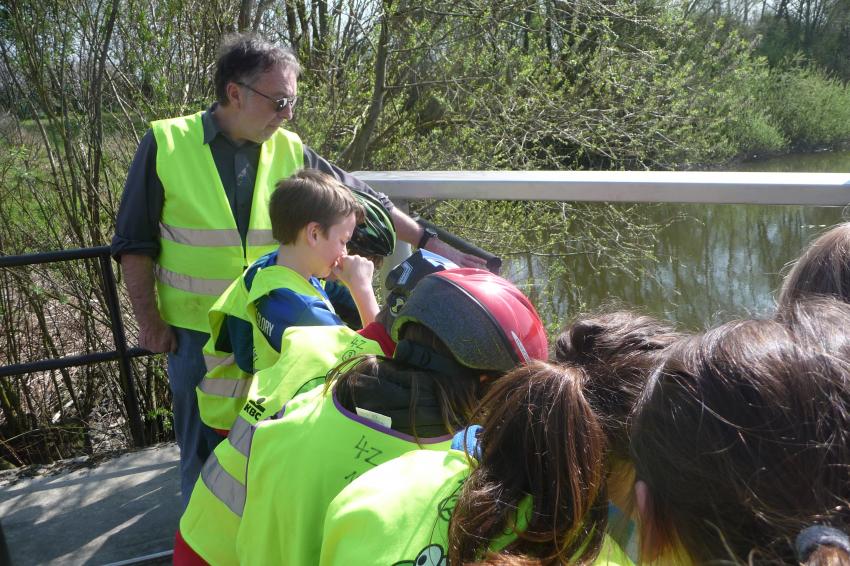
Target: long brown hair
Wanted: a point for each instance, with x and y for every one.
(822, 269)
(540, 439)
(743, 438)
(618, 350)
(458, 394)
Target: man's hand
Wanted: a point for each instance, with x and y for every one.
(460, 258)
(408, 230)
(157, 336)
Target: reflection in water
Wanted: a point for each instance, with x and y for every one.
(714, 263)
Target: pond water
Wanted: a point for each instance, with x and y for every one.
(713, 262)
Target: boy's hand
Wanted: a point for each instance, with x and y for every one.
(354, 271)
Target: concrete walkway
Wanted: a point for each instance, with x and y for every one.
(124, 508)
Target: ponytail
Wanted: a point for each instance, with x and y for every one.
(607, 337)
(618, 350)
(820, 545)
(541, 440)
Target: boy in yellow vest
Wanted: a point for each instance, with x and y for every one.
(313, 217)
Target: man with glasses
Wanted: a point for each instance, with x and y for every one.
(195, 212)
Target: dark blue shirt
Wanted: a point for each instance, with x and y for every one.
(343, 303)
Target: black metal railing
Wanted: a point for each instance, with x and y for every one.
(121, 353)
(494, 262)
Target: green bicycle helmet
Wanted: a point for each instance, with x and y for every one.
(375, 236)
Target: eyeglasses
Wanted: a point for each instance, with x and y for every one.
(279, 103)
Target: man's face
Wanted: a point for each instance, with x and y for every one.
(257, 118)
(331, 246)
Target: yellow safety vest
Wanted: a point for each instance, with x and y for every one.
(201, 252)
(298, 464)
(224, 389)
(399, 513)
(211, 520)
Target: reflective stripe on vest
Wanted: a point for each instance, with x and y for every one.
(214, 238)
(260, 238)
(240, 436)
(205, 238)
(223, 485)
(195, 285)
(212, 361)
(224, 387)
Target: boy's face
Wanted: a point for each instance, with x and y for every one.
(331, 246)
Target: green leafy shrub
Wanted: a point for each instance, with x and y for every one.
(811, 107)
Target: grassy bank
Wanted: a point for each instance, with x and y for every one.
(798, 108)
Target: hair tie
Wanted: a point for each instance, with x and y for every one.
(820, 535)
(467, 441)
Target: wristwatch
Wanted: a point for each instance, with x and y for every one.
(427, 234)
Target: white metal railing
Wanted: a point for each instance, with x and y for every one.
(817, 189)
(814, 189)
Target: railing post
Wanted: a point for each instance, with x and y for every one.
(402, 249)
(125, 368)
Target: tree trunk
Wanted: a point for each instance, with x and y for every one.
(292, 23)
(303, 21)
(355, 154)
(258, 17)
(244, 21)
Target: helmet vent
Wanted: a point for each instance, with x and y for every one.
(526, 358)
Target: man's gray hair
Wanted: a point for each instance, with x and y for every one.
(244, 56)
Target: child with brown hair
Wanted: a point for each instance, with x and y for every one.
(533, 487)
(822, 269)
(619, 350)
(313, 217)
(741, 443)
(536, 488)
(457, 330)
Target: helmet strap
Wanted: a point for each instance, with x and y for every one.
(420, 356)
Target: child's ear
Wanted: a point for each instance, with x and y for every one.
(312, 231)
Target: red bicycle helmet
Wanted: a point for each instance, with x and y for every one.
(486, 322)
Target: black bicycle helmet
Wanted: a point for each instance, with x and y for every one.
(375, 236)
